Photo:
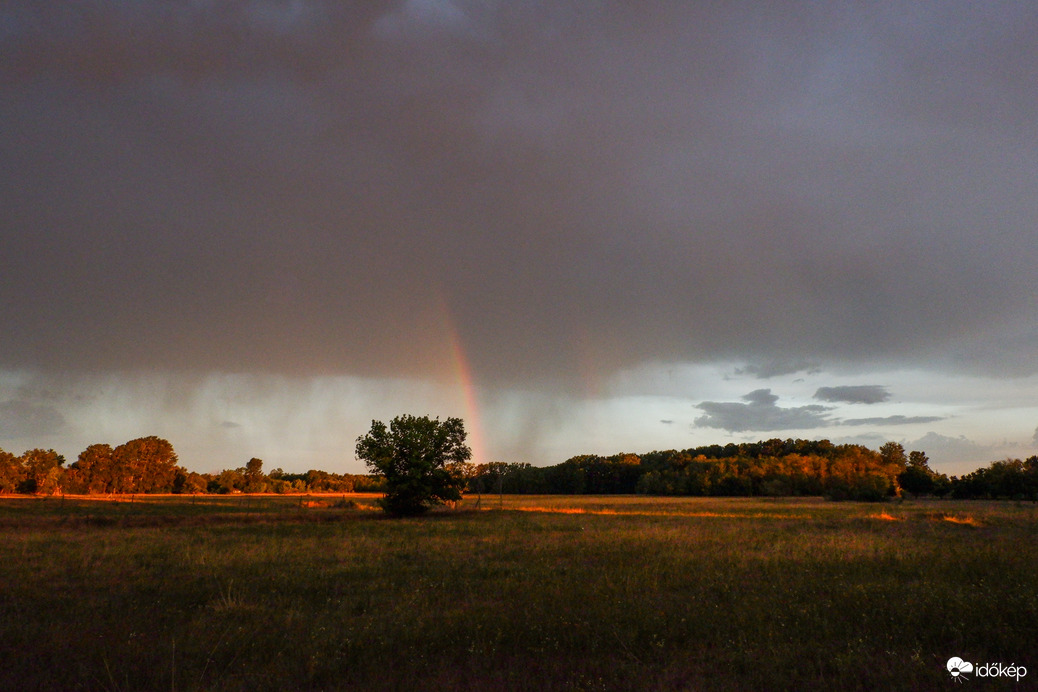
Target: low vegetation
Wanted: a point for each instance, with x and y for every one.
(772, 468)
(528, 592)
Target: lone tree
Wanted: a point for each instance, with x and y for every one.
(421, 459)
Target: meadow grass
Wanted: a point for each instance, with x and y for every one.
(532, 593)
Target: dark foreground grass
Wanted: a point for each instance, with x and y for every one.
(545, 593)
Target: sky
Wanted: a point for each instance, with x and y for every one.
(253, 227)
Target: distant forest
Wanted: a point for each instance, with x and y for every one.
(149, 465)
(772, 468)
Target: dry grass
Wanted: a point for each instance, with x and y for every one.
(649, 513)
(966, 520)
(630, 593)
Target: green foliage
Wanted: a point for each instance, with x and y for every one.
(1009, 479)
(767, 468)
(12, 473)
(421, 459)
(146, 465)
(919, 479)
(142, 465)
(43, 472)
(893, 454)
(188, 482)
(93, 471)
(227, 481)
(253, 474)
(862, 474)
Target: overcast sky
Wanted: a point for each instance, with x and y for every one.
(251, 227)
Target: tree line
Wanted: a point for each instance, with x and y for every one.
(770, 468)
(149, 465)
(761, 469)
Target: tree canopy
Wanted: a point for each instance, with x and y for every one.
(421, 459)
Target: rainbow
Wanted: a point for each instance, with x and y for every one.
(462, 374)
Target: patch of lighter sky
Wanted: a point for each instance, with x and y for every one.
(300, 424)
(981, 418)
(219, 421)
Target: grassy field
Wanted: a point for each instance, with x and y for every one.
(527, 593)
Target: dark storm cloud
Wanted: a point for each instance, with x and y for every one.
(102, 44)
(25, 420)
(776, 368)
(336, 187)
(761, 413)
(857, 394)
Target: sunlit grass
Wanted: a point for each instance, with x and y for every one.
(966, 520)
(631, 593)
(650, 512)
